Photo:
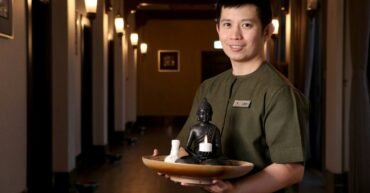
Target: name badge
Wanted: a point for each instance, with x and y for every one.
(242, 103)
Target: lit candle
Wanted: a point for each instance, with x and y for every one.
(205, 146)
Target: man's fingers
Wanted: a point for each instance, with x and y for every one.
(218, 186)
(155, 152)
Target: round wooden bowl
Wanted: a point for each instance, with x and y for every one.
(197, 173)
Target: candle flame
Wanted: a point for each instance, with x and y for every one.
(205, 139)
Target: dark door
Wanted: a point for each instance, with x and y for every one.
(86, 92)
(213, 63)
(111, 133)
(39, 101)
(368, 67)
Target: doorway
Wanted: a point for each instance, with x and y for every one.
(111, 114)
(86, 92)
(368, 66)
(39, 97)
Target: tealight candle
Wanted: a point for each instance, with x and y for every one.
(205, 146)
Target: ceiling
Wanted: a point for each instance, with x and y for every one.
(178, 9)
(137, 4)
(169, 9)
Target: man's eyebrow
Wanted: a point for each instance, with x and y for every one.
(250, 20)
(243, 20)
(225, 20)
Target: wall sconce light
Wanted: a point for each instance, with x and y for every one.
(108, 6)
(217, 44)
(284, 6)
(134, 39)
(311, 5)
(119, 25)
(91, 6)
(143, 48)
(275, 23)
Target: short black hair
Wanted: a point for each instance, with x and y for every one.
(263, 9)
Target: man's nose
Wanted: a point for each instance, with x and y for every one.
(236, 33)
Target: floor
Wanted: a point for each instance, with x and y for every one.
(129, 175)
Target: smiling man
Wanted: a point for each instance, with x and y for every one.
(261, 116)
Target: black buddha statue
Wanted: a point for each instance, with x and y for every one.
(204, 140)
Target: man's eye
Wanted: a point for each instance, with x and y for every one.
(226, 24)
(247, 25)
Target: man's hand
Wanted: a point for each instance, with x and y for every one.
(220, 186)
(217, 186)
(156, 153)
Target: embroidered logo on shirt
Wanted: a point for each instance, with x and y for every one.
(242, 103)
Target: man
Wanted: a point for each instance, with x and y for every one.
(261, 116)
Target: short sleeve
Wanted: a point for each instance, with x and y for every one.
(285, 125)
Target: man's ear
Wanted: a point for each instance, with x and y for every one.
(217, 27)
(267, 33)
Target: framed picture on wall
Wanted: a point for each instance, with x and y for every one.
(168, 60)
(6, 18)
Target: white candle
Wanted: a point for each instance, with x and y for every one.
(175, 144)
(205, 146)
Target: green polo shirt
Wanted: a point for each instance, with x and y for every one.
(261, 116)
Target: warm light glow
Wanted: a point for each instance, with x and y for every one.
(275, 23)
(85, 22)
(119, 24)
(110, 36)
(143, 48)
(217, 44)
(91, 5)
(144, 4)
(288, 41)
(134, 38)
(311, 4)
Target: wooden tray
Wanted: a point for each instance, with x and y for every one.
(196, 173)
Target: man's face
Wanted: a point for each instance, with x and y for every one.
(240, 33)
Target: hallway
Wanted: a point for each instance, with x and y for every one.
(129, 175)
